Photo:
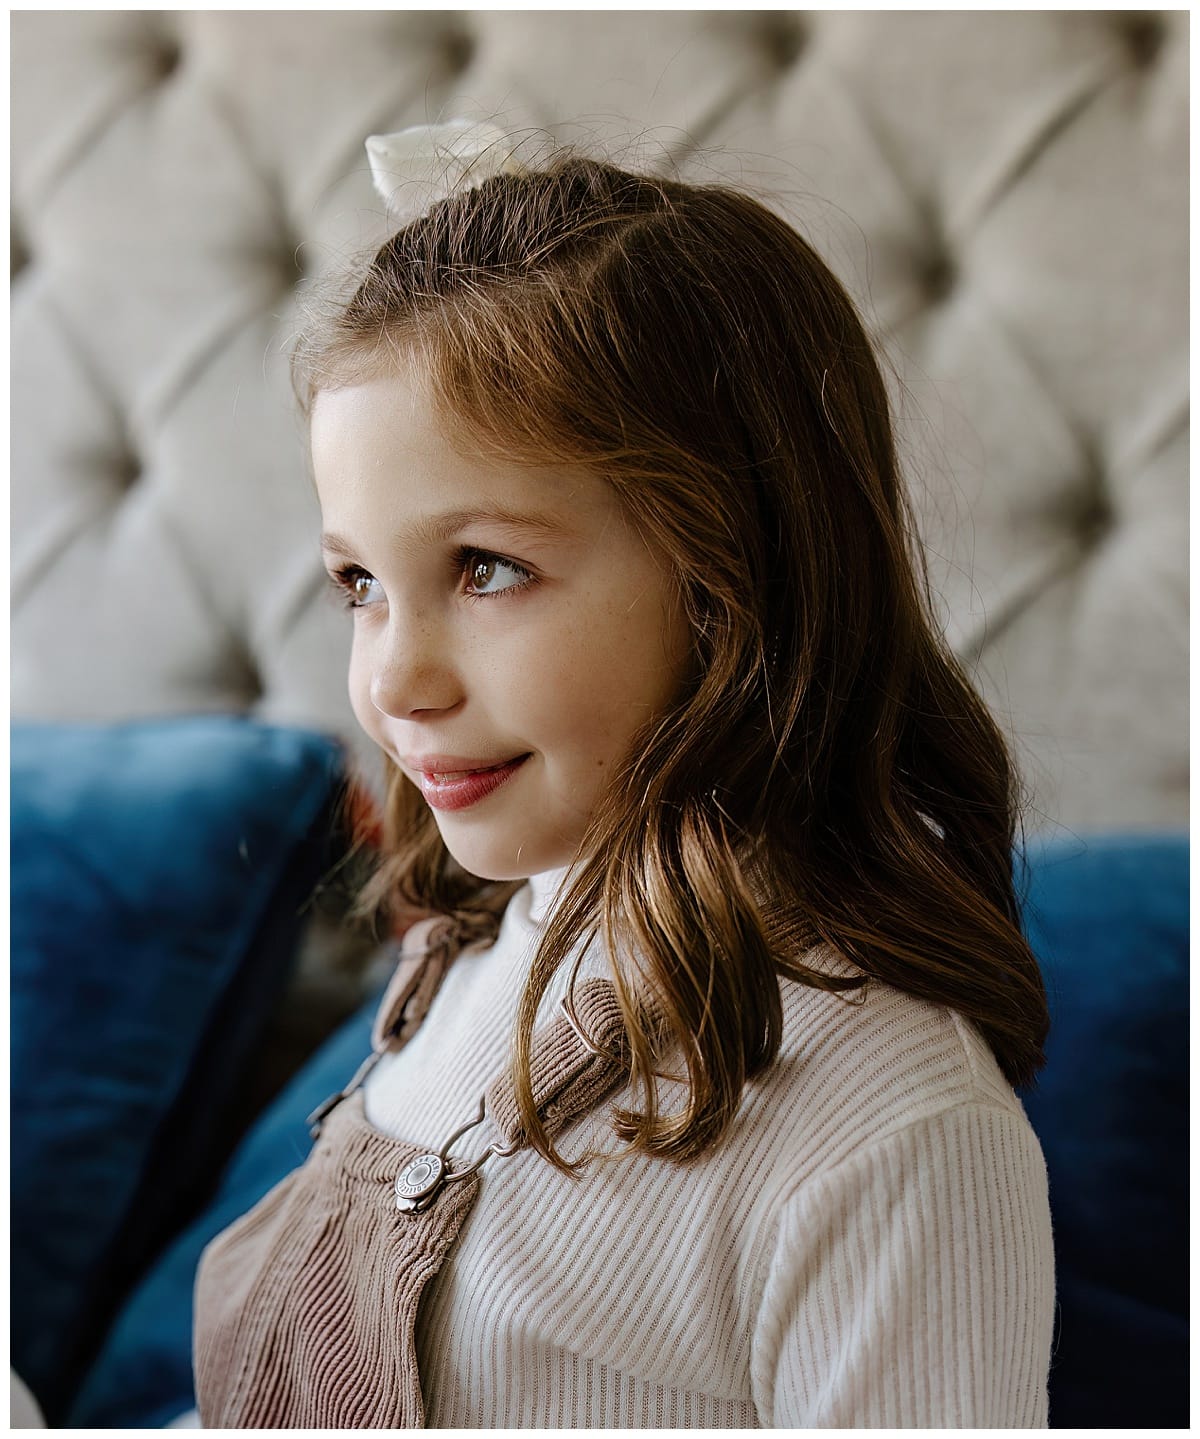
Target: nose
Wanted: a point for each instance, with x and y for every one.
(412, 670)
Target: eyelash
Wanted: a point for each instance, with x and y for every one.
(466, 558)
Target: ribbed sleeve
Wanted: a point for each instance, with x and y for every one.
(909, 1287)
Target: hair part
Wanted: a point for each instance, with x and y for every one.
(828, 776)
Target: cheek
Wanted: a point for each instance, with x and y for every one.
(611, 681)
(358, 683)
(649, 653)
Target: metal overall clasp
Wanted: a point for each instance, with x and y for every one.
(422, 1179)
(323, 1110)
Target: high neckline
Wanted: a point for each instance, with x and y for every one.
(544, 890)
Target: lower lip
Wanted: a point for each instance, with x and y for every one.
(462, 793)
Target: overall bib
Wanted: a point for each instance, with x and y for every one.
(306, 1307)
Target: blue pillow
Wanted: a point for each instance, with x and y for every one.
(158, 880)
(143, 1378)
(1108, 919)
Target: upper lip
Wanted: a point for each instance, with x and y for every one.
(451, 763)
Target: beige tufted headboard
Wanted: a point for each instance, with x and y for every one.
(1005, 194)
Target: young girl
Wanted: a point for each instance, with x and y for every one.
(641, 627)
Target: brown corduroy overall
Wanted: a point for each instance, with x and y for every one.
(306, 1307)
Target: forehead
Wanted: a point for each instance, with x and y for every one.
(381, 452)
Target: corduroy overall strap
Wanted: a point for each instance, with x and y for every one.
(429, 948)
(306, 1308)
(571, 1071)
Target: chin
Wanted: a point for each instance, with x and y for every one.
(496, 872)
(499, 862)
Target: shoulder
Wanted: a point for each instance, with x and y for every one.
(859, 1066)
(907, 1229)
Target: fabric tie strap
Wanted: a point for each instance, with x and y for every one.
(429, 948)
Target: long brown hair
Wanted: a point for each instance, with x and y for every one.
(829, 776)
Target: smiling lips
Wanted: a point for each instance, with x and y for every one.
(449, 783)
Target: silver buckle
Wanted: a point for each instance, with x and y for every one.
(422, 1179)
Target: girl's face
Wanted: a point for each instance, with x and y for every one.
(511, 633)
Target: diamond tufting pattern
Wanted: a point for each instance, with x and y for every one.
(1004, 193)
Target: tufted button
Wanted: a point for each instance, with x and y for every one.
(1095, 518)
(291, 260)
(458, 47)
(783, 38)
(166, 57)
(126, 469)
(18, 251)
(939, 275)
(1142, 33)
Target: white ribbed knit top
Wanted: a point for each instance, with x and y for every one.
(870, 1246)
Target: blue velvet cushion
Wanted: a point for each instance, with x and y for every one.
(158, 880)
(143, 1378)
(1108, 918)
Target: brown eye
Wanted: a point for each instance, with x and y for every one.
(361, 588)
(486, 574)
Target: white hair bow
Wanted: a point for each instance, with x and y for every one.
(412, 167)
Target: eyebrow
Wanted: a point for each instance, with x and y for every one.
(437, 529)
